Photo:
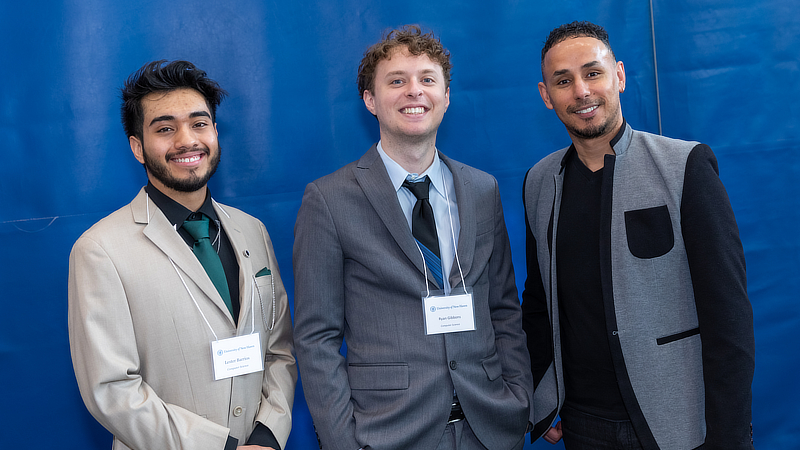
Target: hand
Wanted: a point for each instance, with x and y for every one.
(253, 447)
(554, 434)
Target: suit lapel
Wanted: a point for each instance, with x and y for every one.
(465, 198)
(161, 232)
(371, 175)
(240, 248)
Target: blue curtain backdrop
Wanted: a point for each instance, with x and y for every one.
(721, 72)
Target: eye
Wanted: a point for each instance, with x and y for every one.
(164, 130)
(592, 74)
(428, 80)
(562, 82)
(396, 82)
(200, 125)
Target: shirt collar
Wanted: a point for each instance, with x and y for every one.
(397, 174)
(174, 211)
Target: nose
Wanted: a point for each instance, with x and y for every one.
(185, 137)
(414, 89)
(581, 88)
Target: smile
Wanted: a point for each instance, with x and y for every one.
(587, 110)
(189, 159)
(416, 110)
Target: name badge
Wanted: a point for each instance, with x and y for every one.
(237, 356)
(449, 313)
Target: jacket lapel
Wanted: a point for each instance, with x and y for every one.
(371, 175)
(467, 218)
(246, 276)
(161, 232)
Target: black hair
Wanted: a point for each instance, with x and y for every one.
(161, 76)
(574, 30)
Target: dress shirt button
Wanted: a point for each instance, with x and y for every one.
(453, 365)
(246, 253)
(238, 411)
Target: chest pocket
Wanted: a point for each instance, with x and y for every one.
(649, 232)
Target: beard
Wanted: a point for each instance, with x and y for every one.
(592, 131)
(193, 182)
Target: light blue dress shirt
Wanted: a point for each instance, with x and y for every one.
(442, 191)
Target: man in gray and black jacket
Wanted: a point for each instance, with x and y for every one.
(638, 323)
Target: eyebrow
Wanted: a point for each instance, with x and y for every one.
(166, 118)
(585, 66)
(403, 72)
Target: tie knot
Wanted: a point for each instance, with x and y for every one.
(420, 189)
(197, 228)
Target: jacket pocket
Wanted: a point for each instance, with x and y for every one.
(677, 336)
(649, 232)
(492, 367)
(385, 377)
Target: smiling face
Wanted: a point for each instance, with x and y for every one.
(409, 97)
(582, 83)
(179, 146)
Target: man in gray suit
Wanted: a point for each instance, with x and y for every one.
(417, 282)
(178, 321)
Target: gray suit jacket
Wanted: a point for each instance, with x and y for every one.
(359, 276)
(142, 350)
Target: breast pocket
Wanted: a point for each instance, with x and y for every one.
(649, 232)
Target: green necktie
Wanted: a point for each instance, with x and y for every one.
(208, 257)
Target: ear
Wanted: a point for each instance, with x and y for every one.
(136, 148)
(621, 76)
(545, 95)
(369, 102)
(447, 98)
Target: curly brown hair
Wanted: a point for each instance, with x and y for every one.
(415, 41)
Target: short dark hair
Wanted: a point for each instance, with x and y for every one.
(415, 41)
(574, 30)
(161, 76)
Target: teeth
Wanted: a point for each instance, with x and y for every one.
(188, 160)
(417, 110)
(589, 109)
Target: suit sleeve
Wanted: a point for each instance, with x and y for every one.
(505, 309)
(107, 366)
(725, 316)
(535, 317)
(319, 313)
(280, 371)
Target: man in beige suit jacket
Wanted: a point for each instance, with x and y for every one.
(143, 310)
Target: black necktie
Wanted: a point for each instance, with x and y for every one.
(423, 226)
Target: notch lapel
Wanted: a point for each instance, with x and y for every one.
(162, 234)
(465, 198)
(246, 276)
(371, 175)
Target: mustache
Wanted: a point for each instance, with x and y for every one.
(200, 148)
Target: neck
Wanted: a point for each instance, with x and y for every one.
(189, 200)
(592, 152)
(413, 157)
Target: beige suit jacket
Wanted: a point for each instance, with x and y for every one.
(141, 348)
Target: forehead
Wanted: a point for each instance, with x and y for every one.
(574, 53)
(173, 103)
(400, 60)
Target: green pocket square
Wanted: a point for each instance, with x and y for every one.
(263, 272)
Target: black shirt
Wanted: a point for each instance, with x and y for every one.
(590, 383)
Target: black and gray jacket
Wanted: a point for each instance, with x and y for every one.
(678, 318)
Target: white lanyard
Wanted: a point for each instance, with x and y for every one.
(252, 302)
(455, 245)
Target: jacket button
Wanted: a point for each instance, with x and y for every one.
(453, 365)
(238, 411)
